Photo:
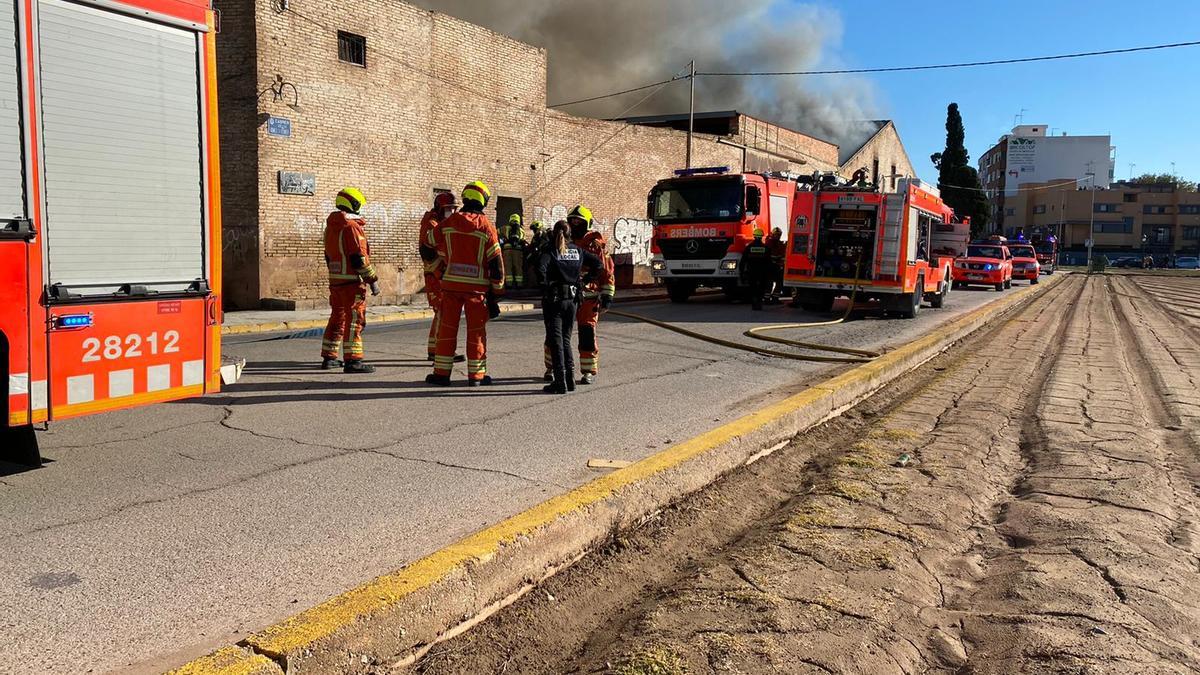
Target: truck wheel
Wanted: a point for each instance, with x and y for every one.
(908, 305)
(732, 291)
(1033, 280)
(819, 302)
(939, 300)
(18, 445)
(679, 291)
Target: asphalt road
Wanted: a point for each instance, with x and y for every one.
(156, 534)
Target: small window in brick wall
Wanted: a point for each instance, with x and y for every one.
(352, 48)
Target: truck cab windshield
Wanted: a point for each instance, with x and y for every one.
(985, 252)
(1021, 251)
(698, 200)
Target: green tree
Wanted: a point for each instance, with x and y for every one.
(1180, 184)
(957, 179)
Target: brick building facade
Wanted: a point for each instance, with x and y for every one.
(882, 155)
(430, 103)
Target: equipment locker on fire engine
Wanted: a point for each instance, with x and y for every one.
(12, 160)
(121, 132)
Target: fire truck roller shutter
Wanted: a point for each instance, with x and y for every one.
(121, 132)
(779, 214)
(12, 169)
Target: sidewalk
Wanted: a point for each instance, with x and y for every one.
(245, 322)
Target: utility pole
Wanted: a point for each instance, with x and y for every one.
(1131, 165)
(691, 110)
(1091, 218)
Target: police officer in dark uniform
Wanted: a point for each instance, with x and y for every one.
(756, 265)
(561, 270)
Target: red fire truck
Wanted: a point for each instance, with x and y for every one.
(110, 235)
(898, 248)
(703, 218)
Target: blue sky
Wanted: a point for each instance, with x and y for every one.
(1149, 102)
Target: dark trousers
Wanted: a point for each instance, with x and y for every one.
(758, 286)
(559, 316)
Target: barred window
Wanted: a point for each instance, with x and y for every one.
(352, 48)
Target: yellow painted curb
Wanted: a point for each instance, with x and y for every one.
(304, 630)
(231, 661)
(275, 326)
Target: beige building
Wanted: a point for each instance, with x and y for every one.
(1124, 219)
(402, 102)
(882, 154)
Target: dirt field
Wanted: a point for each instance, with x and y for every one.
(1025, 503)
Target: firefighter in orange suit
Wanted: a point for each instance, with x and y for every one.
(472, 276)
(348, 258)
(597, 294)
(443, 207)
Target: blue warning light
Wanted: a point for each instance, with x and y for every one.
(73, 321)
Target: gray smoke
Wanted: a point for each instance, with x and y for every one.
(600, 46)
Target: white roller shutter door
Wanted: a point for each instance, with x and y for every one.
(121, 132)
(12, 162)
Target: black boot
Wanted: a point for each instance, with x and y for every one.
(485, 381)
(557, 387)
(331, 364)
(357, 367)
(439, 380)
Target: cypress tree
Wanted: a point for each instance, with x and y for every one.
(957, 179)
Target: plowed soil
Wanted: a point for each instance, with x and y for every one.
(1025, 503)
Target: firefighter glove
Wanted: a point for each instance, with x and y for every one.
(493, 306)
(375, 288)
(606, 301)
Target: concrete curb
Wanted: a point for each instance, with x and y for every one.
(399, 613)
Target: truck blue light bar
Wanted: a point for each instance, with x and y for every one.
(701, 169)
(73, 321)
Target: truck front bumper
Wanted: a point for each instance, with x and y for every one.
(725, 269)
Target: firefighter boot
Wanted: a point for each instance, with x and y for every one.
(330, 364)
(357, 367)
(439, 380)
(588, 378)
(485, 381)
(555, 388)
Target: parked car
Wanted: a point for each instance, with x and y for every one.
(1187, 263)
(1025, 262)
(985, 264)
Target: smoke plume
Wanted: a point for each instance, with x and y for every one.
(600, 46)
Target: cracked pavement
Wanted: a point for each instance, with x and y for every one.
(1048, 522)
(181, 527)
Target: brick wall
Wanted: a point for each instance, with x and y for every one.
(775, 141)
(441, 102)
(883, 150)
(237, 86)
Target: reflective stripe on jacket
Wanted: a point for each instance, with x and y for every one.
(470, 250)
(426, 242)
(605, 282)
(347, 254)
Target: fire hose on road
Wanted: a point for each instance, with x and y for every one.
(845, 354)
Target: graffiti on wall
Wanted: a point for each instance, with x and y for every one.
(384, 220)
(632, 235)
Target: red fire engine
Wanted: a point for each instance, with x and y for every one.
(898, 247)
(110, 235)
(703, 218)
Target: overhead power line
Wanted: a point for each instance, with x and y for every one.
(968, 64)
(619, 93)
(892, 69)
